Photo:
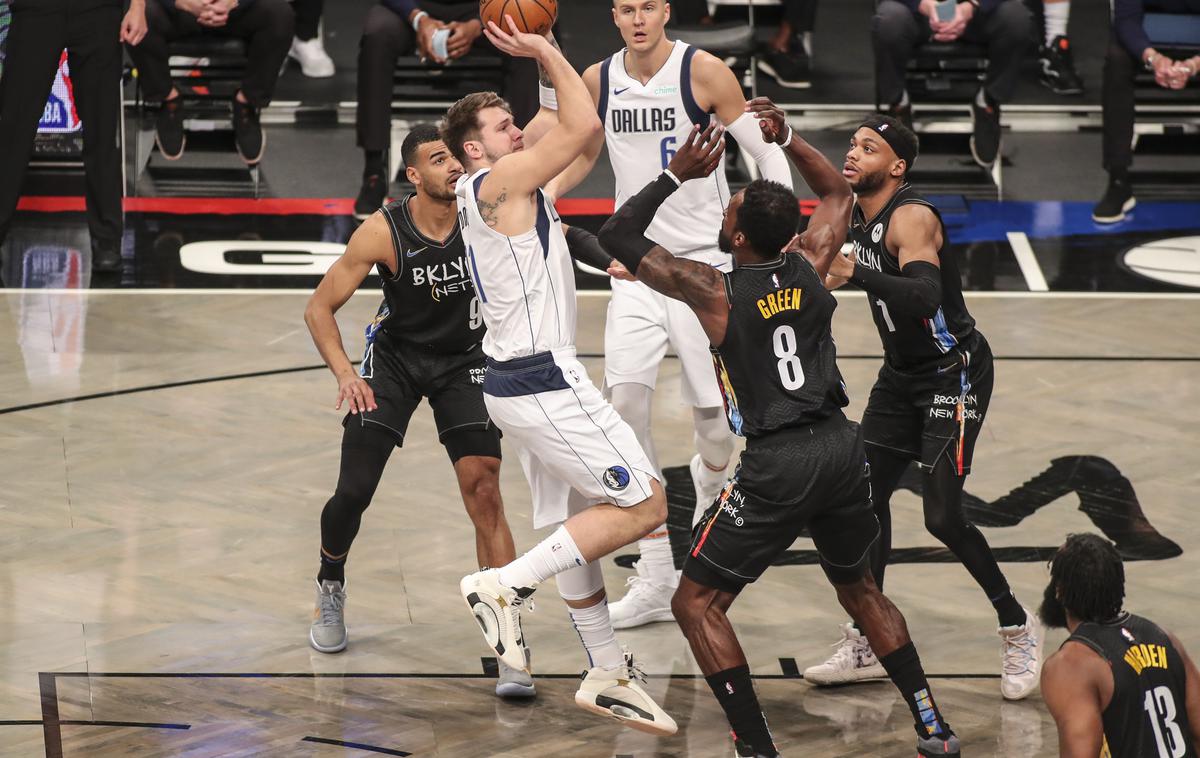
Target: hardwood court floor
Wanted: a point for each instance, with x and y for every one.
(172, 532)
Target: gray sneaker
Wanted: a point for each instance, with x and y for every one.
(514, 682)
(328, 631)
(938, 747)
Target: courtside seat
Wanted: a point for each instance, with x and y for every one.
(941, 70)
(429, 88)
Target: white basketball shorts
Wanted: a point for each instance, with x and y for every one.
(642, 324)
(567, 435)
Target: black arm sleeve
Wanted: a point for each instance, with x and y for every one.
(917, 293)
(624, 234)
(585, 248)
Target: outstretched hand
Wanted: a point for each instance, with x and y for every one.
(515, 42)
(771, 119)
(700, 154)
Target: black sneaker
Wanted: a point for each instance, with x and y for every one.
(1058, 68)
(791, 69)
(745, 750)
(248, 133)
(1117, 201)
(985, 139)
(371, 195)
(106, 255)
(168, 129)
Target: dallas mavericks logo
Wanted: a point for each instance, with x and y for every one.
(616, 478)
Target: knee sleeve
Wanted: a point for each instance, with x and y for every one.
(942, 501)
(713, 439)
(580, 582)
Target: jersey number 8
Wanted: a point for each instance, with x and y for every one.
(791, 373)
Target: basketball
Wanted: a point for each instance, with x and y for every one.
(532, 16)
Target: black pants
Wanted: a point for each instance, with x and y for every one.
(801, 14)
(265, 25)
(308, 17)
(896, 32)
(90, 33)
(386, 37)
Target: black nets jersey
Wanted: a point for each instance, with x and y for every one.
(1147, 717)
(777, 367)
(910, 341)
(429, 300)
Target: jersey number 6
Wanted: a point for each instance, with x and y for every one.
(667, 149)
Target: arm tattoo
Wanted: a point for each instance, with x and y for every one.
(543, 77)
(487, 210)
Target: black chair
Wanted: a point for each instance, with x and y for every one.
(207, 71)
(429, 89)
(1169, 122)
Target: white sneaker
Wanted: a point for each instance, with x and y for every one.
(513, 682)
(1020, 658)
(314, 62)
(497, 608)
(852, 661)
(645, 601)
(705, 493)
(328, 631)
(616, 693)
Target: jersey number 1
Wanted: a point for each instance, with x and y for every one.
(1160, 706)
(791, 373)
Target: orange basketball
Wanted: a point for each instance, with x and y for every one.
(533, 16)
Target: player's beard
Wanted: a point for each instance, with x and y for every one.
(440, 192)
(868, 183)
(1052, 612)
(724, 244)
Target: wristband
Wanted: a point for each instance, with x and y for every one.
(416, 22)
(667, 172)
(787, 141)
(547, 97)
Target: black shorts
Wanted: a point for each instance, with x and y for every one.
(925, 415)
(814, 477)
(401, 374)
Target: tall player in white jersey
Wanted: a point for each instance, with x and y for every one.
(586, 471)
(649, 95)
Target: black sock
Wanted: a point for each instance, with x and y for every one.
(1119, 175)
(332, 570)
(904, 668)
(374, 165)
(735, 693)
(1008, 610)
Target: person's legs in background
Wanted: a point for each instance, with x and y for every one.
(1005, 31)
(151, 57)
(307, 47)
(789, 54)
(385, 37)
(1117, 103)
(895, 32)
(1054, 46)
(95, 54)
(266, 26)
(36, 40)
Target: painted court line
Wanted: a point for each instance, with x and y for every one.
(1028, 262)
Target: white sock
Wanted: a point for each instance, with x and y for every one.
(596, 632)
(657, 563)
(1057, 15)
(556, 553)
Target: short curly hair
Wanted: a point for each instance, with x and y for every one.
(461, 123)
(769, 217)
(1089, 578)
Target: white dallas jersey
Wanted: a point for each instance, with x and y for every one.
(526, 284)
(643, 126)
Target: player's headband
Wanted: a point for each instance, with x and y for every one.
(904, 150)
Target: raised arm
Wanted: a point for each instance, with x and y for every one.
(371, 244)
(623, 236)
(527, 170)
(826, 232)
(718, 90)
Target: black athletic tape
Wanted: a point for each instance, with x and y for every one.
(624, 234)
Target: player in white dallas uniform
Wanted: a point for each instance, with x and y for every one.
(649, 95)
(585, 468)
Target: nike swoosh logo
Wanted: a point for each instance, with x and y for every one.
(619, 91)
(413, 253)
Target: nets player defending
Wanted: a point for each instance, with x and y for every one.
(1120, 686)
(932, 392)
(804, 465)
(424, 342)
(586, 471)
(649, 95)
